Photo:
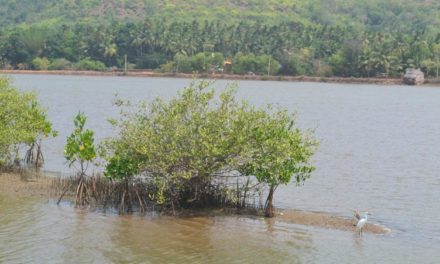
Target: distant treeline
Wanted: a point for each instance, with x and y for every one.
(287, 46)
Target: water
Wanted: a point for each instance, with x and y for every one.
(379, 151)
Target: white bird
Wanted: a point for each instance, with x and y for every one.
(361, 223)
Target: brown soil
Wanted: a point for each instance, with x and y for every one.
(25, 185)
(327, 221)
(142, 73)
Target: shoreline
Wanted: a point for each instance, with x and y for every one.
(22, 185)
(137, 73)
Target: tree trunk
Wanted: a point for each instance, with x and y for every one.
(81, 191)
(437, 69)
(269, 212)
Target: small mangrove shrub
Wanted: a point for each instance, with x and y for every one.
(177, 146)
(277, 152)
(189, 149)
(122, 167)
(80, 151)
(23, 124)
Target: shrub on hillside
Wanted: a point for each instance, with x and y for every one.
(40, 64)
(88, 64)
(60, 64)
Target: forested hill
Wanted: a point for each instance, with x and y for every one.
(313, 37)
(374, 14)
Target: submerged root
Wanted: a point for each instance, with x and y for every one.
(130, 195)
(140, 194)
(127, 196)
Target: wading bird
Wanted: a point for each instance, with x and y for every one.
(361, 223)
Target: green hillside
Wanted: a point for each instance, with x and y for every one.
(374, 14)
(315, 37)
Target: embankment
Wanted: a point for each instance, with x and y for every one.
(137, 73)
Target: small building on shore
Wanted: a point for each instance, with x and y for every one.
(413, 77)
(227, 66)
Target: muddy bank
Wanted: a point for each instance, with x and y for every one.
(432, 82)
(25, 185)
(138, 73)
(298, 217)
(327, 221)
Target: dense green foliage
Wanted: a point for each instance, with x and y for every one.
(277, 152)
(79, 152)
(185, 146)
(80, 147)
(317, 37)
(23, 122)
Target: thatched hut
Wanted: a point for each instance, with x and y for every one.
(413, 77)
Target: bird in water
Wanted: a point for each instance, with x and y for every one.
(361, 222)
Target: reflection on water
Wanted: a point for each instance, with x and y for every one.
(204, 240)
(42, 232)
(379, 151)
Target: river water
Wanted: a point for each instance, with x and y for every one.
(379, 151)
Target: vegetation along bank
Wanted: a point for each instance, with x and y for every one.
(347, 38)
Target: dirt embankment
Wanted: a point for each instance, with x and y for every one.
(138, 73)
(25, 185)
